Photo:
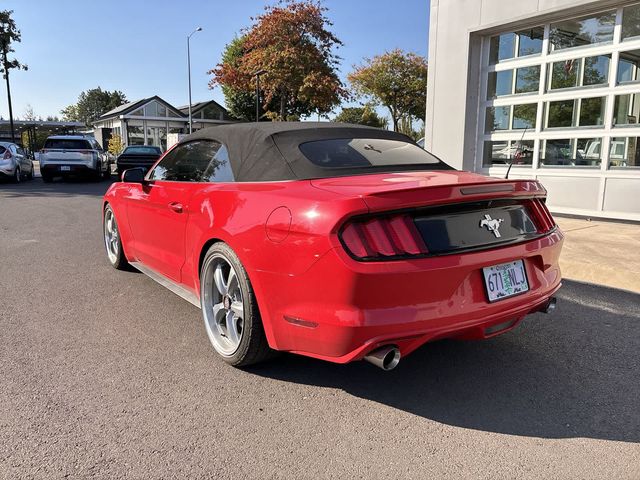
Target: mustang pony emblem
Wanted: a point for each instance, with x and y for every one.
(493, 225)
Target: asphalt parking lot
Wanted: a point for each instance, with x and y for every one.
(106, 374)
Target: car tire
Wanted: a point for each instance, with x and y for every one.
(17, 176)
(226, 295)
(112, 241)
(30, 176)
(107, 173)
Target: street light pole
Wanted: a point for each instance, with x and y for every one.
(189, 71)
(257, 75)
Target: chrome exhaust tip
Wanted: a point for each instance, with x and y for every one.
(550, 306)
(386, 358)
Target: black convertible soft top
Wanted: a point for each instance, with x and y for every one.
(269, 151)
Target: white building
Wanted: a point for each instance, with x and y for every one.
(150, 120)
(550, 85)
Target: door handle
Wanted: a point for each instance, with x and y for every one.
(176, 207)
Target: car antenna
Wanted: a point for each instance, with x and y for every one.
(520, 146)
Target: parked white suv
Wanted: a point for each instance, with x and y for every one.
(65, 155)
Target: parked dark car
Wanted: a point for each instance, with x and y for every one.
(137, 156)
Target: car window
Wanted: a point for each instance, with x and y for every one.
(2, 149)
(365, 152)
(219, 169)
(143, 150)
(20, 151)
(193, 162)
(67, 144)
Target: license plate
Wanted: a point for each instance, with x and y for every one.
(505, 280)
(65, 169)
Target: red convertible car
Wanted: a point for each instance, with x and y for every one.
(335, 241)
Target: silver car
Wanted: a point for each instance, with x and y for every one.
(14, 163)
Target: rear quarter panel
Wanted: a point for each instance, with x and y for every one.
(238, 213)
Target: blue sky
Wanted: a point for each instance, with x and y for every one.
(139, 46)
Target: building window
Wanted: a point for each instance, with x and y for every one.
(498, 118)
(527, 79)
(571, 152)
(560, 114)
(135, 135)
(589, 71)
(580, 112)
(591, 111)
(587, 120)
(516, 117)
(624, 152)
(524, 116)
(579, 32)
(631, 22)
(500, 84)
(508, 151)
(520, 44)
(625, 109)
(628, 66)
(596, 70)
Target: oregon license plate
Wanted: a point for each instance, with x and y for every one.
(505, 280)
(65, 168)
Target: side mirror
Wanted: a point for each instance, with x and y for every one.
(133, 175)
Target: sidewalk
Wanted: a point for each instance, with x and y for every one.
(601, 252)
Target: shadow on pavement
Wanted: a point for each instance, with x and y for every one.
(58, 188)
(575, 373)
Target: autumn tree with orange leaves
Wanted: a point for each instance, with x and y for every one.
(291, 42)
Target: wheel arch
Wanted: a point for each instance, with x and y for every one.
(257, 289)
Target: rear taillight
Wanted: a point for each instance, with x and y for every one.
(380, 238)
(542, 218)
(7, 155)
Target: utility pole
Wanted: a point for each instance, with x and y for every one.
(9, 34)
(6, 76)
(257, 75)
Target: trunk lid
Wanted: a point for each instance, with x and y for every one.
(416, 189)
(451, 211)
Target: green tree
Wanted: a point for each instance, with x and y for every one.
(396, 80)
(9, 34)
(361, 116)
(292, 43)
(91, 104)
(241, 104)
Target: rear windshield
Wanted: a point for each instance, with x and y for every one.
(67, 144)
(365, 152)
(143, 150)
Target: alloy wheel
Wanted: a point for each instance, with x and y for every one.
(222, 305)
(111, 235)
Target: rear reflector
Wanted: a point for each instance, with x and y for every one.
(380, 238)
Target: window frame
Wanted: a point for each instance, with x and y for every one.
(544, 95)
(172, 150)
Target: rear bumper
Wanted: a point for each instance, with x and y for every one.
(341, 309)
(73, 169)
